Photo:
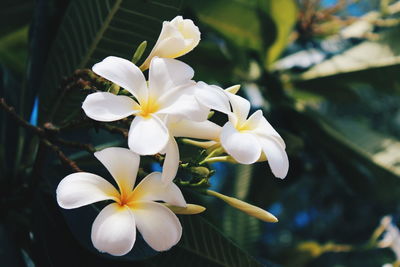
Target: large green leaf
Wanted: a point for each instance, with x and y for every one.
(93, 30)
(13, 50)
(236, 20)
(284, 14)
(382, 149)
(241, 227)
(256, 25)
(367, 160)
(202, 240)
(373, 62)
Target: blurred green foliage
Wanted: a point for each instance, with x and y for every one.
(340, 119)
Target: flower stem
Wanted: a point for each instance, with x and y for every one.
(218, 159)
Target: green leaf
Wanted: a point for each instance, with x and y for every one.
(374, 62)
(284, 14)
(370, 164)
(256, 25)
(91, 31)
(202, 244)
(14, 50)
(235, 20)
(242, 228)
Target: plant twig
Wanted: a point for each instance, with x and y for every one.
(21, 121)
(88, 147)
(114, 129)
(63, 158)
(44, 136)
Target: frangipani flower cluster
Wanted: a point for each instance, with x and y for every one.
(391, 237)
(167, 105)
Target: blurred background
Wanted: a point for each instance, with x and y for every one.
(325, 72)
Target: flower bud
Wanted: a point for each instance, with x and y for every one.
(178, 37)
(245, 207)
(190, 209)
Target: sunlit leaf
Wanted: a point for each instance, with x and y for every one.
(284, 14)
(373, 62)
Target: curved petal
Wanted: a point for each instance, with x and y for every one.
(158, 225)
(213, 97)
(114, 231)
(171, 161)
(243, 147)
(124, 73)
(277, 158)
(152, 188)
(193, 129)
(165, 74)
(103, 106)
(185, 106)
(263, 128)
(240, 107)
(123, 165)
(147, 136)
(189, 31)
(83, 188)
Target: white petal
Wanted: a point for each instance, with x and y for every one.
(103, 106)
(147, 136)
(263, 128)
(82, 188)
(153, 188)
(165, 74)
(113, 230)
(240, 107)
(122, 164)
(212, 97)
(158, 225)
(124, 73)
(202, 130)
(165, 48)
(243, 147)
(277, 158)
(185, 106)
(171, 162)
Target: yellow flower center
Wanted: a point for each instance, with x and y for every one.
(243, 127)
(148, 108)
(126, 199)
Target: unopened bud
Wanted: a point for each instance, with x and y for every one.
(139, 52)
(114, 89)
(201, 171)
(190, 209)
(245, 207)
(233, 89)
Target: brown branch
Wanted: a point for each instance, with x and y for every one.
(114, 129)
(21, 121)
(63, 158)
(88, 147)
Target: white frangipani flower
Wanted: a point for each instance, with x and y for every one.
(178, 37)
(114, 229)
(170, 95)
(168, 92)
(251, 139)
(391, 236)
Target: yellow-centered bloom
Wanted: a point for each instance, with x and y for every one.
(114, 229)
